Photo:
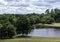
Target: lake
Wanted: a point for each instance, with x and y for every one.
(45, 32)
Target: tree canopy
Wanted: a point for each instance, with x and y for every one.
(11, 24)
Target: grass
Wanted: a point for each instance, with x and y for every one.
(53, 25)
(36, 39)
(32, 39)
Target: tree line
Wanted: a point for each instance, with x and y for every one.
(13, 24)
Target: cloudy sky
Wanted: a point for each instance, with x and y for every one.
(27, 6)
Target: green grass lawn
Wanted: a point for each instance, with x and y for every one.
(32, 39)
(53, 25)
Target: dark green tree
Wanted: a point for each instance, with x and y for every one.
(23, 25)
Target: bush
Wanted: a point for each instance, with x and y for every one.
(7, 32)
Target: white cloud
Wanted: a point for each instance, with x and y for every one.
(56, 5)
(3, 2)
(27, 6)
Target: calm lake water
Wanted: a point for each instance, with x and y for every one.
(45, 32)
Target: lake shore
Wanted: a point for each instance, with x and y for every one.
(32, 39)
(53, 25)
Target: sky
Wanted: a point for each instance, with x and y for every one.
(27, 6)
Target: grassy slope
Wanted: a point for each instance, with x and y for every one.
(32, 39)
(53, 25)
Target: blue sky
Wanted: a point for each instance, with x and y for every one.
(27, 6)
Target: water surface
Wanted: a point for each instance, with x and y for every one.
(46, 32)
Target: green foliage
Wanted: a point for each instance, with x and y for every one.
(7, 32)
(23, 25)
(47, 19)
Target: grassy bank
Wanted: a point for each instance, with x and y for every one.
(53, 25)
(32, 39)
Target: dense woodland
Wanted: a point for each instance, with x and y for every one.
(13, 24)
